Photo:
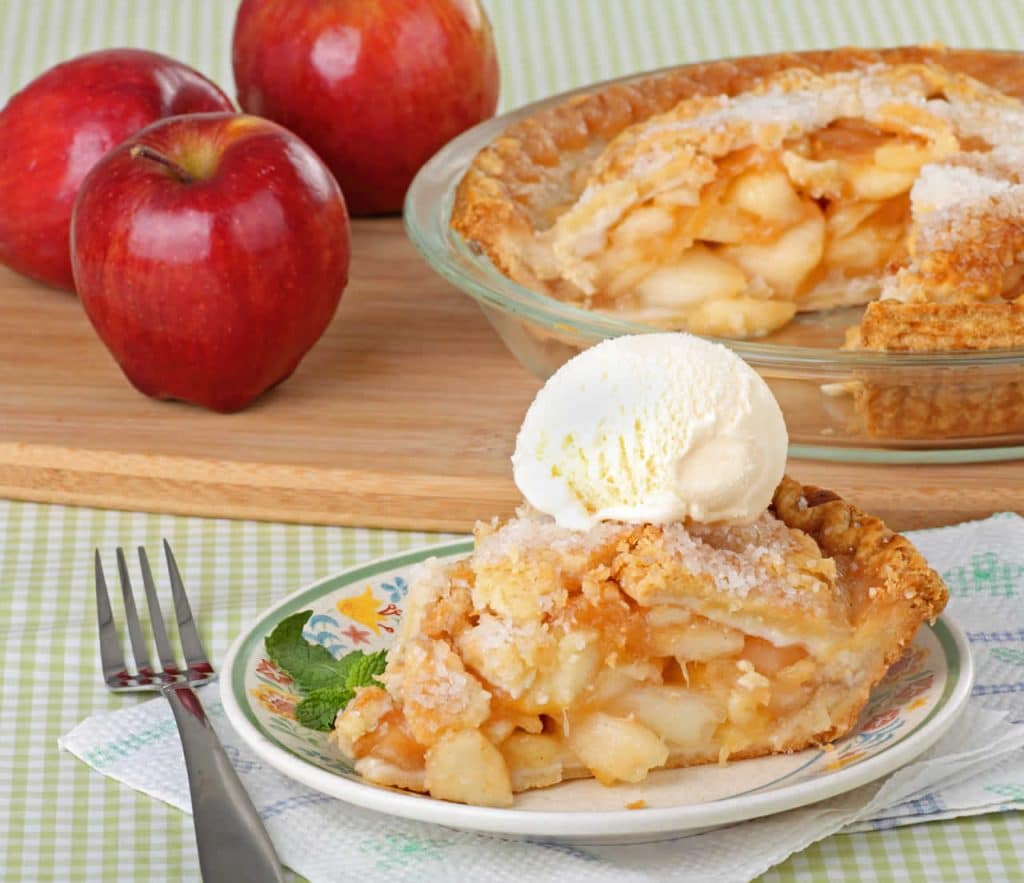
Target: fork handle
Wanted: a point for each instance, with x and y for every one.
(233, 844)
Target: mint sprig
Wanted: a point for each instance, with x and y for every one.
(329, 683)
(319, 709)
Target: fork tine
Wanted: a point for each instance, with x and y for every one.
(156, 618)
(111, 657)
(195, 656)
(131, 615)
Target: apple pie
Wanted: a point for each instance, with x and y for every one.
(723, 198)
(549, 654)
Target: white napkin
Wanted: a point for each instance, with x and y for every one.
(971, 770)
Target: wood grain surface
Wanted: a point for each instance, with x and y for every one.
(404, 415)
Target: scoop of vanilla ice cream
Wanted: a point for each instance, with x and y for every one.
(651, 428)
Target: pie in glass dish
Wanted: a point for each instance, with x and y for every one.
(549, 654)
(724, 198)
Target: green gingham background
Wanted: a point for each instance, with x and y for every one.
(58, 820)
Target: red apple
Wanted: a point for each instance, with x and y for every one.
(374, 86)
(56, 129)
(210, 252)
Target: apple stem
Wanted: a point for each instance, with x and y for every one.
(147, 152)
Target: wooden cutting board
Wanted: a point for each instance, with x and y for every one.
(404, 415)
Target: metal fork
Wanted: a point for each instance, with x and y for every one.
(233, 844)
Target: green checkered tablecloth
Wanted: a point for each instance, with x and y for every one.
(59, 820)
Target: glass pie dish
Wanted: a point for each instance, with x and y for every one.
(855, 405)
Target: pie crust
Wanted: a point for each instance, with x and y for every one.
(902, 407)
(519, 203)
(918, 404)
(549, 654)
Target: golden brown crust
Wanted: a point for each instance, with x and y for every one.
(909, 404)
(903, 406)
(891, 326)
(840, 528)
(903, 590)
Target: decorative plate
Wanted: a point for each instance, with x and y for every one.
(360, 608)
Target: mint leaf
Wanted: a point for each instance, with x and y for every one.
(292, 653)
(319, 709)
(321, 673)
(355, 669)
(361, 668)
(329, 683)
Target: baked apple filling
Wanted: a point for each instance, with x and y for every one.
(773, 233)
(550, 654)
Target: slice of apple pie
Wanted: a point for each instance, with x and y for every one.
(549, 654)
(724, 198)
